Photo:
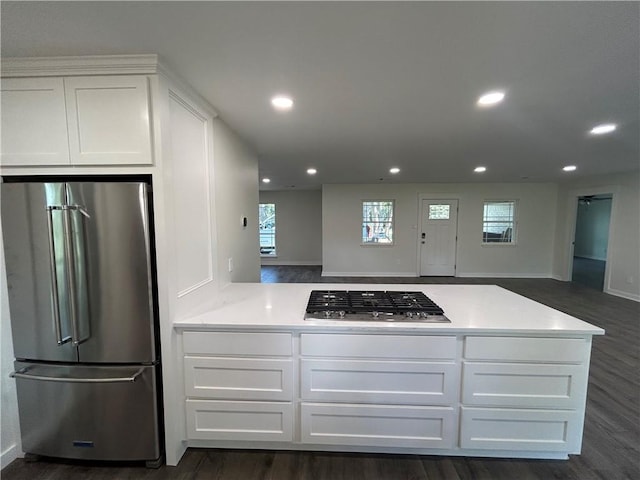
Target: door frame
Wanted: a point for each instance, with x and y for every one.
(572, 219)
(434, 196)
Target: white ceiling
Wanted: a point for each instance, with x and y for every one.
(381, 84)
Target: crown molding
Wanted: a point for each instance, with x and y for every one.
(79, 65)
(181, 87)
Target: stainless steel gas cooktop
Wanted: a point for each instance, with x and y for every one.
(373, 305)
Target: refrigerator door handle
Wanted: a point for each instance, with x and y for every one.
(71, 274)
(23, 373)
(57, 326)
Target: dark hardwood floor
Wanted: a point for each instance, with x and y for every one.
(611, 445)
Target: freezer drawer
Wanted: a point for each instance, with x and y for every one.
(88, 412)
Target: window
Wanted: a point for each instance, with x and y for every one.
(267, 228)
(498, 222)
(377, 222)
(439, 212)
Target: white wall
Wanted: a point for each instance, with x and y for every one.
(236, 180)
(592, 229)
(623, 260)
(530, 257)
(298, 227)
(10, 445)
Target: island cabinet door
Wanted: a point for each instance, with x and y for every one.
(367, 381)
(239, 378)
(242, 421)
(521, 429)
(524, 385)
(377, 425)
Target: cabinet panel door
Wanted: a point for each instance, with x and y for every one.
(240, 378)
(376, 425)
(108, 120)
(355, 381)
(34, 122)
(520, 429)
(232, 420)
(237, 343)
(378, 346)
(528, 349)
(524, 385)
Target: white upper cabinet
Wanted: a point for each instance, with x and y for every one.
(98, 120)
(34, 122)
(108, 120)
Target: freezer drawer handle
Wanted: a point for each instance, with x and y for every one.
(23, 374)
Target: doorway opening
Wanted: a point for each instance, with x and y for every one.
(590, 244)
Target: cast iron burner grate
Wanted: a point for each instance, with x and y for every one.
(372, 304)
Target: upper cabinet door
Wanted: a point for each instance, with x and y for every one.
(108, 120)
(34, 122)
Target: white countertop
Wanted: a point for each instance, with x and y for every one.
(476, 308)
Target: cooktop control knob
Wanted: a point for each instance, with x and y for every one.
(327, 313)
(409, 314)
(341, 313)
(375, 314)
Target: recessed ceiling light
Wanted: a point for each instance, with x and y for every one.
(266, 180)
(491, 98)
(569, 168)
(480, 169)
(394, 170)
(602, 129)
(282, 102)
(311, 171)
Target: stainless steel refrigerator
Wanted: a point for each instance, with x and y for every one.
(82, 302)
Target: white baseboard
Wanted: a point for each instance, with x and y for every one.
(276, 262)
(368, 274)
(503, 275)
(9, 455)
(559, 278)
(620, 293)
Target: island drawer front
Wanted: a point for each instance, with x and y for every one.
(237, 343)
(240, 378)
(378, 346)
(233, 420)
(527, 349)
(362, 381)
(379, 426)
(520, 429)
(524, 385)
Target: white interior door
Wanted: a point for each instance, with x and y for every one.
(438, 237)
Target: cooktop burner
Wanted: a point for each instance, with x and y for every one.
(361, 305)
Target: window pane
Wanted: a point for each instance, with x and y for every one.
(438, 212)
(377, 222)
(267, 228)
(498, 222)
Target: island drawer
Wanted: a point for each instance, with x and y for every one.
(378, 346)
(239, 378)
(521, 429)
(237, 343)
(376, 425)
(364, 381)
(233, 420)
(527, 349)
(524, 385)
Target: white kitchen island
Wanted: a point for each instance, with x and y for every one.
(506, 378)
